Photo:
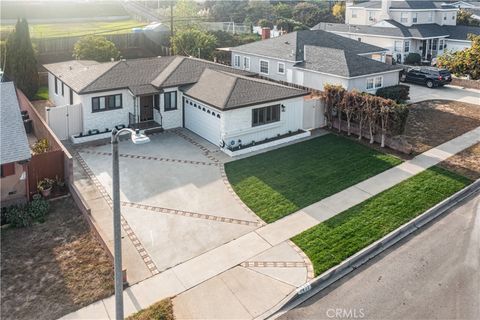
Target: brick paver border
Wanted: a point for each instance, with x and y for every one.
(273, 264)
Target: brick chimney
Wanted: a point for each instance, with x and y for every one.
(265, 33)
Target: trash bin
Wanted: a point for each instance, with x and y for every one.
(28, 125)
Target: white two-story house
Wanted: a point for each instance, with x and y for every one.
(313, 58)
(428, 28)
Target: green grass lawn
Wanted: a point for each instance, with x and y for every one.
(77, 28)
(282, 181)
(162, 310)
(336, 239)
(42, 94)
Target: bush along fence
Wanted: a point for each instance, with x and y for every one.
(364, 114)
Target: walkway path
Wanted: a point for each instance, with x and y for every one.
(422, 93)
(214, 264)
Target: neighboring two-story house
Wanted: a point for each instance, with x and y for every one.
(428, 28)
(226, 106)
(312, 59)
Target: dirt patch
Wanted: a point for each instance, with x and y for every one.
(466, 163)
(431, 123)
(53, 268)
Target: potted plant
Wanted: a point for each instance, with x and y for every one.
(45, 186)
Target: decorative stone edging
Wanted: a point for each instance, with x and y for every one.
(152, 158)
(307, 263)
(126, 227)
(273, 264)
(190, 214)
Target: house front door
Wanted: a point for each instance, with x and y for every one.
(146, 108)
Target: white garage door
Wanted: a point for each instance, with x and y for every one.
(203, 121)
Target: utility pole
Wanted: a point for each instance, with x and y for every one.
(171, 20)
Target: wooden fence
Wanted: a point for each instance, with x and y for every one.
(42, 131)
(50, 164)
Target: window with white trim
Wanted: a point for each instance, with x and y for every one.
(264, 66)
(398, 46)
(281, 68)
(441, 44)
(246, 63)
(265, 115)
(415, 17)
(406, 46)
(106, 103)
(404, 17)
(430, 16)
(170, 100)
(354, 13)
(371, 15)
(374, 82)
(236, 61)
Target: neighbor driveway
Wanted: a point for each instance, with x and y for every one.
(421, 93)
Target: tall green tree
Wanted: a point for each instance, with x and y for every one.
(96, 48)
(229, 10)
(20, 61)
(194, 42)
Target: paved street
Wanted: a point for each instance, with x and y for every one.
(433, 274)
(421, 93)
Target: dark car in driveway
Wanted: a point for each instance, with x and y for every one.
(429, 76)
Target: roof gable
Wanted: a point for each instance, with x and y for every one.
(237, 91)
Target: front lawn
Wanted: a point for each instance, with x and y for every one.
(277, 183)
(53, 268)
(341, 236)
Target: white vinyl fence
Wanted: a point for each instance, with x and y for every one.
(313, 114)
(65, 120)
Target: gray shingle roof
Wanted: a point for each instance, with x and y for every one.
(290, 46)
(406, 4)
(237, 91)
(141, 76)
(401, 31)
(78, 74)
(342, 63)
(14, 143)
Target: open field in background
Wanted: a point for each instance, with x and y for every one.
(53, 268)
(343, 235)
(277, 183)
(52, 30)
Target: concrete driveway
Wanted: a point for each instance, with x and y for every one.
(176, 200)
(421, 93)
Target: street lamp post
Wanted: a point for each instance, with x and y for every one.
(137, 138)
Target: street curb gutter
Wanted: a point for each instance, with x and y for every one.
(334, 274)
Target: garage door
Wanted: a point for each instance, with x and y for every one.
(203, 121)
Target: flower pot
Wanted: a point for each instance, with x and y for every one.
(46, 192)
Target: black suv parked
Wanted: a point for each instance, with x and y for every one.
(432, 77)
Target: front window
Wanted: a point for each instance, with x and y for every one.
(407, 46)
(265, 115)
(374, 83)
(354, 13)
(281, 68)
(107, 103)
(415, 18)
(263, 66)
(440, 44)
(56, 85)
(236, 61)
(398, 46)
(430, 16)
(246, 63)
(170, 100)
(63, 89)
(371, 15)
(404, 17)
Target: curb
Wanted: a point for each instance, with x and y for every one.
(334, 274)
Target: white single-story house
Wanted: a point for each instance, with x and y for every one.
(225, 106)
(313, 58)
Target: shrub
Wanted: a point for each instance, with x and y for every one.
(264, 23)
(20, 216)
(399, 93)
(41, 146)
(398, 119)
(38, 209)
(413, 58)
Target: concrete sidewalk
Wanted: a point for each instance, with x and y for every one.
(213, 263)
